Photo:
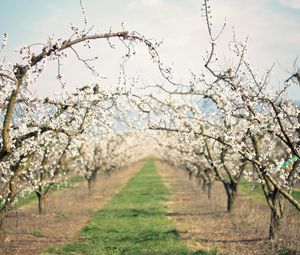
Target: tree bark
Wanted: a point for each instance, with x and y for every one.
(42, 202)
(276, 214)
(231, 191)
(2, 216)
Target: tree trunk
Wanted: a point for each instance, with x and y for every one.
(276, 214)
(2, 216)
(209, 189)
(94, 179)
(231, 191)
(202, 182)
(92, 182)
(5, 207)
(42, 202)
(190, 175)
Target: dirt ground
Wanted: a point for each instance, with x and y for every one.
(204, 223)
(68, 211)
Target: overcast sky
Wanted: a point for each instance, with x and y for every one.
(272, 27)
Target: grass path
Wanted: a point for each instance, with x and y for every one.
(133, 223)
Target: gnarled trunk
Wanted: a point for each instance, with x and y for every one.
(276, 207)
(231, 191)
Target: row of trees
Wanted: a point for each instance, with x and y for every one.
(107, 154)
(224, 125)
(44, 141)
(229, 124)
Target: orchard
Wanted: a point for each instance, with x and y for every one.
(223, 129)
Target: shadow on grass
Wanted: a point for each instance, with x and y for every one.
(134, 212)
(218, 213)
(254, 240)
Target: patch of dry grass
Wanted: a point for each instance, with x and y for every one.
(205, 223)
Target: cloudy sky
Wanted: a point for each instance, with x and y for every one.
(272, 27)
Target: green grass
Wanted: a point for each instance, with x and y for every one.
(133, 223)
(37, 233)
(30, 198)
(255, 190)
(296, 194)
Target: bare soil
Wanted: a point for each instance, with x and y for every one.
(205, 224)
(68, 211)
